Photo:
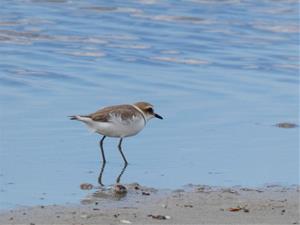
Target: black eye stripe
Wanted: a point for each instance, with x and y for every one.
(150, 110)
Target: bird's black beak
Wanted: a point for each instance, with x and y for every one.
(158, 116)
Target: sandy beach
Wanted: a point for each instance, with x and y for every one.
(194, 204)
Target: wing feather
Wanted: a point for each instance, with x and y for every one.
(107, 114)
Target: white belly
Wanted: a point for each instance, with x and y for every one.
(116, 127)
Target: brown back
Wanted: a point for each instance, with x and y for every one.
(124, 111)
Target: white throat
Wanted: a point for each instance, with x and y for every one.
(143, 114)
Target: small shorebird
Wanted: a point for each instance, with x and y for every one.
(119, 121)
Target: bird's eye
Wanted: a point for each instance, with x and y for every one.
(150, 110)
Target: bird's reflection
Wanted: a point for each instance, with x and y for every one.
(102, 171)
(106, 192)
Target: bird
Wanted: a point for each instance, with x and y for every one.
(119, 121)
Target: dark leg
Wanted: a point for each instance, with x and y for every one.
(101, 174)
(120, 149)
(120, 175)
(102, 151)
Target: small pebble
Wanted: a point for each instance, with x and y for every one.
(164, 206)
(286, 125)
(86, 186)
(159, 217)
(120, 189)
(84, 216)
(246, 210)
(125, 221)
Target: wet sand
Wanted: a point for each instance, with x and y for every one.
(194, 204)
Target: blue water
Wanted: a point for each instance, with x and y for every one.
(221, 73)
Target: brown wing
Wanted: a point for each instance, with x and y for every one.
(124, 111)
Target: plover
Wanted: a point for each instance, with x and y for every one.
(118, 121)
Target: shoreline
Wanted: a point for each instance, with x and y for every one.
(195, 204)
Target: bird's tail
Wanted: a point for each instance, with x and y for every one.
(80, 118)
(85, 119)
(73, 117)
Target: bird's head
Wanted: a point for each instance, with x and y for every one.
(148, 110)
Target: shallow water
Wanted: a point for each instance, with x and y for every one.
(222, 73)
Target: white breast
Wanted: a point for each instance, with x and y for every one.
(116, 127)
